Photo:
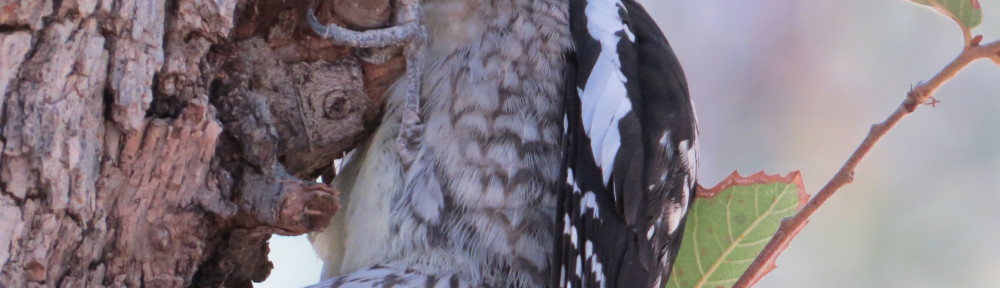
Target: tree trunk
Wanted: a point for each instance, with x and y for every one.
(160, 143)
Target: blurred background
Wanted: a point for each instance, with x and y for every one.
(783, 85)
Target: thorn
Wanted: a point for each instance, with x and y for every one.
(933, 102)
(976, 40)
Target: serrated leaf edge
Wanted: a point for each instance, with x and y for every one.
(793, 178)
(761, 177)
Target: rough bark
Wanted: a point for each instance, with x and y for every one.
(161, 143)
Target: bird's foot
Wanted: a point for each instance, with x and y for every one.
(409, 33)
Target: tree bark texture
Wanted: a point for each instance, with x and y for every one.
(160, 143)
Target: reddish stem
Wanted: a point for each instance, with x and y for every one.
(922, 93)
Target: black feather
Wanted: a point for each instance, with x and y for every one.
(649, 178)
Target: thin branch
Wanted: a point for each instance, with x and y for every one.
(920, 94)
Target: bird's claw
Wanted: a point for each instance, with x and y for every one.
(409, 33)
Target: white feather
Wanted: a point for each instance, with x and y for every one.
(427, 199)
(573, 235)
(598, 269)
(665, 140)
(678, 209)
(689, 154)
(602, 15)
(607, 99)
(579, 265)
(595, 88)
(570, 177)
(604, 101)
(612, 141)
(567, 227)
(589, 203)
(562, 275)
(595, 264)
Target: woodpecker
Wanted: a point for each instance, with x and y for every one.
(558, 149)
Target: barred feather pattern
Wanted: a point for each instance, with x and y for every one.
(390, 276)
(478, 203)
(631, 150)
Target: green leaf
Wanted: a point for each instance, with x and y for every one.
(730, 224)
(967, 13)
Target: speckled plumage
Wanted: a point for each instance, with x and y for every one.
(631, 150)
(558, 149)
(479, 200)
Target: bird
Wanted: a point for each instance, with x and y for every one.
(557, 148)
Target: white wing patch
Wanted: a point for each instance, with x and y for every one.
(678, 209)
(569, 177)
(589, 203)
(689, 154)
(595, 265)
(605, 101)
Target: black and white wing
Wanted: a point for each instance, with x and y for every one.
(631, 150)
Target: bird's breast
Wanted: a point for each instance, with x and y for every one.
(484, 184)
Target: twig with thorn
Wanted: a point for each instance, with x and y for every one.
(921, 94)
